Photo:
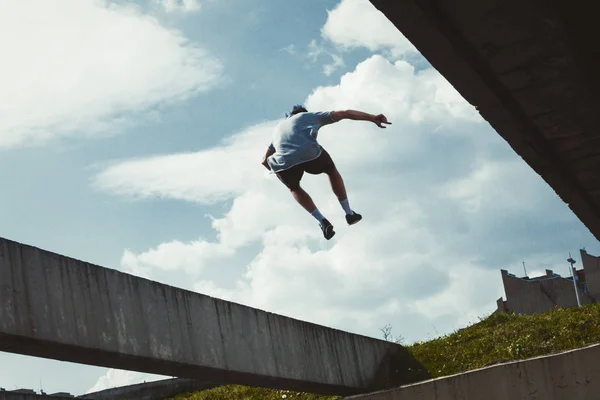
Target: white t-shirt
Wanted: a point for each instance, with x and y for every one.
(295, 140)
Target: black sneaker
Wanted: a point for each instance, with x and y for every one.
(327, 229)
(353, 218)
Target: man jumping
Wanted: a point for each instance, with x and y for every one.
(295, 150)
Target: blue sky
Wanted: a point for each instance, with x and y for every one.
(144, 118)
(254, 67)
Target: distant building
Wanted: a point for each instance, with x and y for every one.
(540, 294)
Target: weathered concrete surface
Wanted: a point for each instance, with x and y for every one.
(157, 390)
(531, 69)
(525, 295)
(573, 375)
(591, 265)
(57, 307)
(10, 395)
(540, 295)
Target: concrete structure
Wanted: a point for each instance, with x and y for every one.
(540, 294)
(57, 307)
(30, 395)
(572, 375)
(157, 390)
(531, 70)
(591, 265)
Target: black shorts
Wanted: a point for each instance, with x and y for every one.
(320, 165)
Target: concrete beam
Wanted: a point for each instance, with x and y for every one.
(12, 395)
(445, 42)
(57, 307)
(572, 375)
(156, 390)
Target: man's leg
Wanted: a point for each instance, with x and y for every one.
(306, 201)
(291, 179)
(339, 189)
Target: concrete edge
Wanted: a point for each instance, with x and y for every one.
(159, 389)
(474, 371)
(445, 48)
(114, 270)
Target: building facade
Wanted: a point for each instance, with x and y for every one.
(540, 294)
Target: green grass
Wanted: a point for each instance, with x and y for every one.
(508, 337)
(495, 339)
(236, 392)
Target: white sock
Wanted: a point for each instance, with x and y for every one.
(317, 214)
(346, 206)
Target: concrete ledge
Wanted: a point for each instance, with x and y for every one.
(57, 307)
(571, 375)
(452, 47)
(11, 395)
(156, 390)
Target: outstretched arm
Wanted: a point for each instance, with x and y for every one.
(270, 151)
(360, 116)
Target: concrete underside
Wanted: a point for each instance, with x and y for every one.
(531, 69)
(57, 307)
(157, 390)
(572, 375)
(8, 395)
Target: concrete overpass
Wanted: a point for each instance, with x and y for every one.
(57, 307)
(531, 69)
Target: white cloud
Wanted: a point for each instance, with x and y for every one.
(82, 67)
(180, 5)
(357, 23)
(315, 51)
(414, 98)
(337, 62)
(116, 378)
(290, 49)
(205, 177)
(430, 186)
(190, 257)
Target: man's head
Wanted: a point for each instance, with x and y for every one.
(298, 108)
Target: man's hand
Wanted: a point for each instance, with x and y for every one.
(268, 154)
(379, 120)
(266, 164)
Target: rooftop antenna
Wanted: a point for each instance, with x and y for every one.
(571, 261)
(524, 269)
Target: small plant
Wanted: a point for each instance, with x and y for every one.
(387, 335)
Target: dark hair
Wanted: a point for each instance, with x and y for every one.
(298, 108)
